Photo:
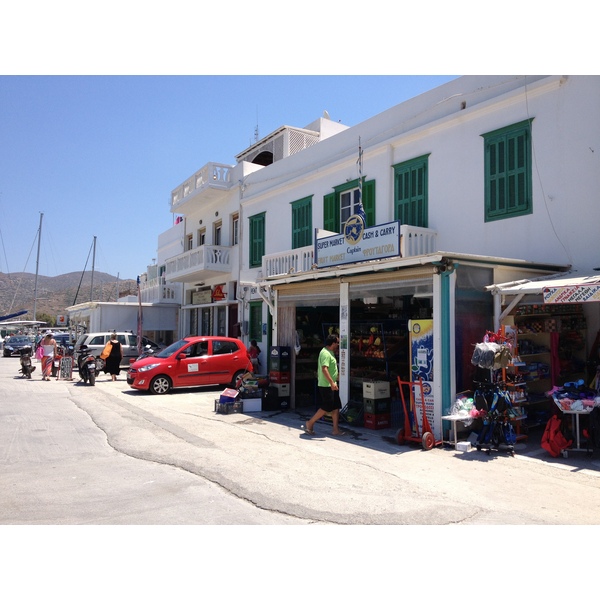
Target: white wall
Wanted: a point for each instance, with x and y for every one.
(566, 170)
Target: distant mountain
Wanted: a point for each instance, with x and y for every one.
(54, 294)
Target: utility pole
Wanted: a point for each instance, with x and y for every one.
(37, 266)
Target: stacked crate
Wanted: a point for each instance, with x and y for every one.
(377, 404)
(280, 377)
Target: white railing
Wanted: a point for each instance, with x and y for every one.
(292, 261)
(210, 175)
(159, 291)
(203, 258)
(414, 241)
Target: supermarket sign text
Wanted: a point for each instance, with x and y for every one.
(358, 243)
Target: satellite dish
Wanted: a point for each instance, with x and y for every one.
(326, 115)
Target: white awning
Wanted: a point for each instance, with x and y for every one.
(562, 289)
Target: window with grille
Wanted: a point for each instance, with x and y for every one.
(410, 192)
(302, 223)
(508, 172)
(342, 203)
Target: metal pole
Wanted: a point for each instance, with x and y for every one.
(93, 265)
(37, 266)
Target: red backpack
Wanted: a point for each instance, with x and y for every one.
(553, 438)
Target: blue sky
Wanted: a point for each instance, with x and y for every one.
(100, 155)
(105, 110)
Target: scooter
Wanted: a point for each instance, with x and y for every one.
(86, 363)
(27, 368)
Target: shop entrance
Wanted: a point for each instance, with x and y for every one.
(379, 342)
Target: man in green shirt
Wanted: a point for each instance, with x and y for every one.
(327, 378)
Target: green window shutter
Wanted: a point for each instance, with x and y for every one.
(411, 192)
(302, 223)
(508, 172)
(255, 320)
(257, 239)
(368, 201)
(331, 212)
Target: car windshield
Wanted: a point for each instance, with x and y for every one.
(21, 339)
(172, 349)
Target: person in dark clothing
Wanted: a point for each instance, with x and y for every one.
(114, 354)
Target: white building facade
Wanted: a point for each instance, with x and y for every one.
(481, 181)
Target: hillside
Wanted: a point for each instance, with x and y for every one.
(54, 294)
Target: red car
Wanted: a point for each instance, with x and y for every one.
(191, 362)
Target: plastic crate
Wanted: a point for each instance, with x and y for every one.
(227, 408)
(377, 421)
(377, 407)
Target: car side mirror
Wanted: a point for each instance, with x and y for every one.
(181, 355)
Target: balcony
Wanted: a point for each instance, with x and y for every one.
(158, 291)
(414, 241)
(209, 183)
(198, 263)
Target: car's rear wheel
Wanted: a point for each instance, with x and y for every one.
(161, 384)
(237, 379)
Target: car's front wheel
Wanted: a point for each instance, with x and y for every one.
(161, 384)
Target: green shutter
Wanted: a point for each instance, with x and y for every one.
(411, 192)
(331, 212)
(368, 201)
(257, 239)
(302, 223)
(255, 320)
(507, 154)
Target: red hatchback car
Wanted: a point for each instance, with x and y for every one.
(191, 362)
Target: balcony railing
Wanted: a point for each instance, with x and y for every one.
(414, 241)
(198, 263)
(211, 175)
(158, 291)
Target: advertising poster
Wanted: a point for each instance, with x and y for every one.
(421, 363)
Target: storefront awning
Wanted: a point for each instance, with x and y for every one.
(558, 289)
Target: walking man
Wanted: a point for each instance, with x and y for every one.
(327, 378)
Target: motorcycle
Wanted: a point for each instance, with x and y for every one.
(86, 363)
(147, 351)
(27, 368)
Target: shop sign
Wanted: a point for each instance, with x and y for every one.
(201, 297)
(217, 293)
(358, 243)
(572, 294)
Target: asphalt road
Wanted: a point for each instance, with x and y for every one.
(75, 454)
(72, 454)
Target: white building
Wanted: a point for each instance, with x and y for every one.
(479, 182)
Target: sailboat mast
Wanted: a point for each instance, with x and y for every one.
(37, 267)
(93, 266)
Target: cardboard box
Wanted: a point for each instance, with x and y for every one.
(252, 405)
(376, 389)
(463, 446)
(229, 395)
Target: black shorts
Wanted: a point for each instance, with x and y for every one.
(330, 399)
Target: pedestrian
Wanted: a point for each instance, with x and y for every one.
(329, 394)
(254, 352)
(112, 356)
(48, 344)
